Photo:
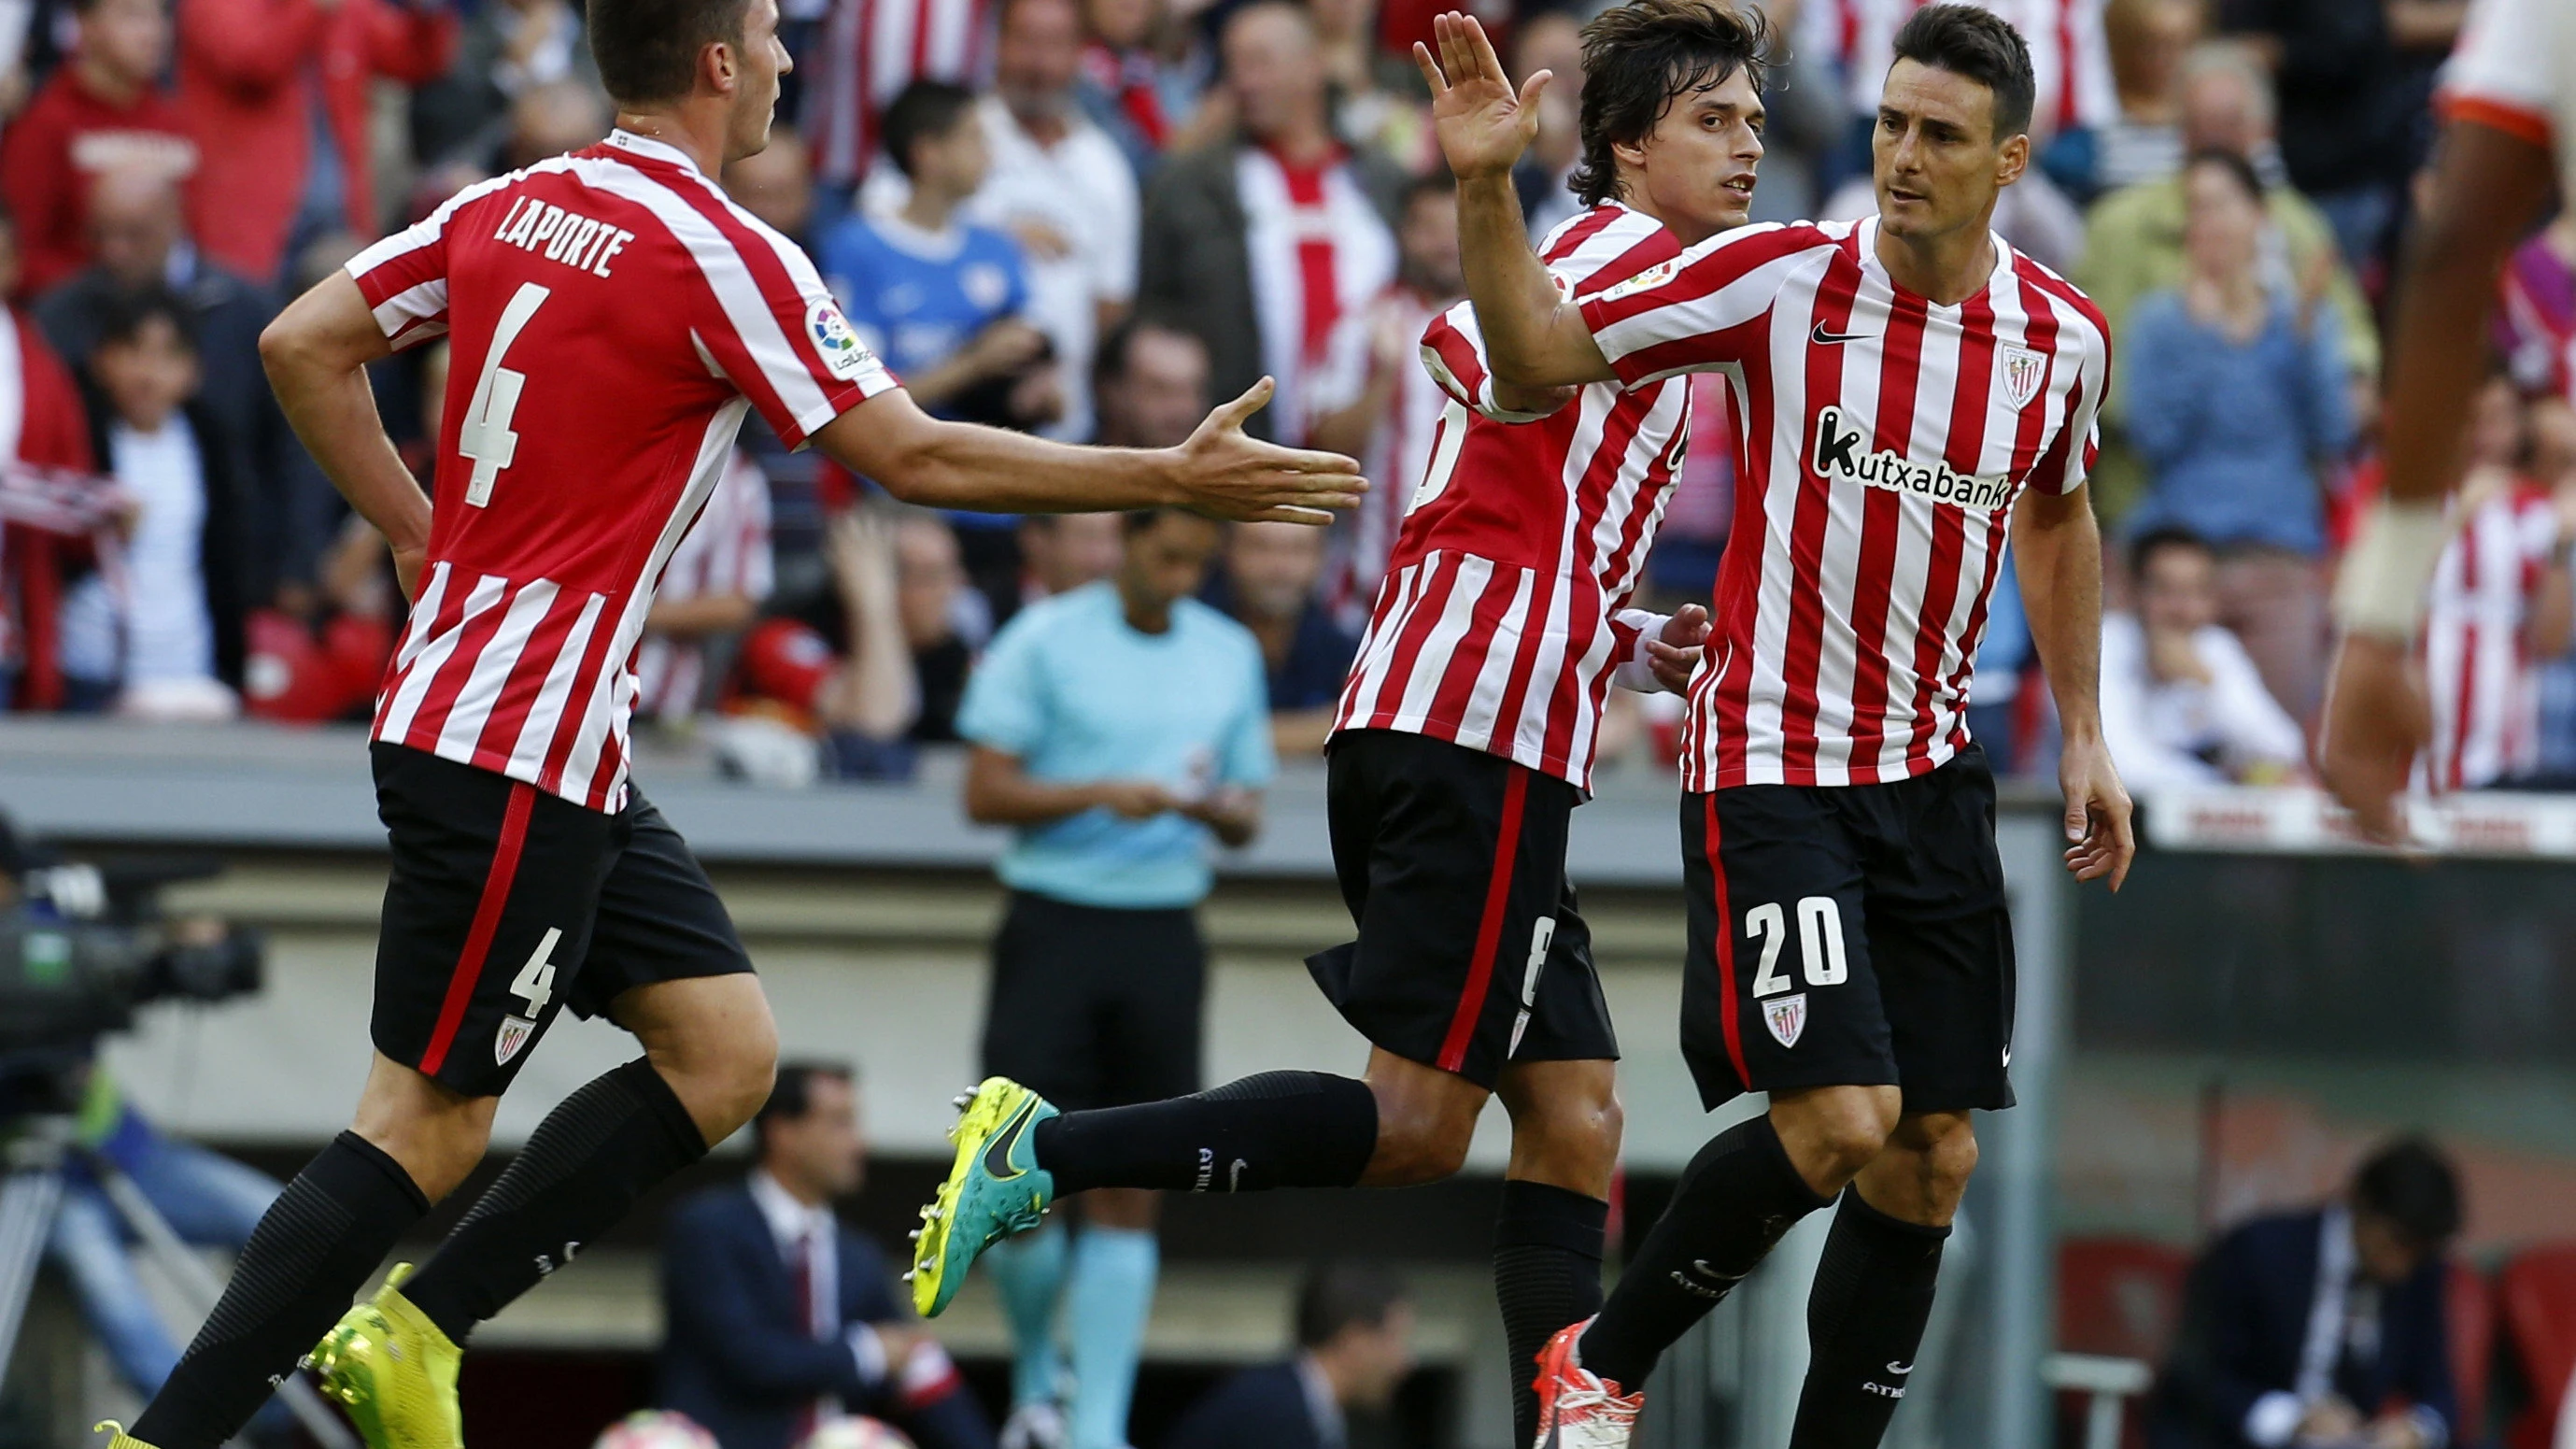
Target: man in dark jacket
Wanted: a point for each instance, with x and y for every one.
(779, 1318)
(2323, 1328)
(1257, 244)
(1354, 1346)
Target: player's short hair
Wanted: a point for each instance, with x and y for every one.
(926, 110)
(1974, 42)
(122, 316)
(2236, 168)
(1342, 1294)
(647, 50)
(2144, 547)
(792, 1095)
(1641, 57)
(2410, 1183)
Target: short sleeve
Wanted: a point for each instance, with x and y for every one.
(1698, 310)
(1453, 351)
(2501, 74)
(776, 331)
(1249, 760)
(2067, 463)
(404, 276)
(1005, 705)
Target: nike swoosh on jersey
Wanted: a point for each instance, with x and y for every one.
(1823, 338)
(997, 1153)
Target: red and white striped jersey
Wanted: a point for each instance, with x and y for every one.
(611, 317)
(2070, 53)
(725, 552)
(1504, 607)
(1399, 447)
(1318, 250)
(2477, 660)
(868, 51)
(1885, 440)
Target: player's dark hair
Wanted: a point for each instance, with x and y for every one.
(2147, 545)
(926, 110)
(122, 316)
(2410, 1183)
(2233, 165)
(1972, 41)
(647, 50)
(1339, 1295)
(791, 1096)
(1641, 57)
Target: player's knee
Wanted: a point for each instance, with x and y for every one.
(1944, 1145)
(1572, 1138)
(1417, 1148)
(1834, 1132)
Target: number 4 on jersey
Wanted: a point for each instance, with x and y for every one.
(484, 436)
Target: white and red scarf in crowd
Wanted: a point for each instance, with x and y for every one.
(1317, 248)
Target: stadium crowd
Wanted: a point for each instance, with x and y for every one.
(1095, 218)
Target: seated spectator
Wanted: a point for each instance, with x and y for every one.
(289, 87)
(2237, 395)
(780, 1318)
(165, 641)
(711, 590)
(2324, 1328)
(2181, 702)
(53, 432)
(2500, 603)
(1268, 585)
(1152, 385)
(508, 48)
(1354, 1347)
(102, 111)
(549, 120)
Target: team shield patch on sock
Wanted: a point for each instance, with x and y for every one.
(1786, 1016)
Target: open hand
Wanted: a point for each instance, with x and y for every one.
(1674, 654)
(1227, 474)
(1482, 124)
(2100, 841)
(2376, 722)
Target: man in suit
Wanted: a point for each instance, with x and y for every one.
(780, 1318)
(1354, 1346)
(2323, 1329)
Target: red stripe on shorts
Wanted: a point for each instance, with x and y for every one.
(1489, 932)
(487, 919)
(1725, 949)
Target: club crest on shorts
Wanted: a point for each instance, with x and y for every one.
(1786, 1016)
(515, 1031)
(2022, 373)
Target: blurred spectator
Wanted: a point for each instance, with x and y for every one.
(944, 622)
(1152, 383)
(2236, 395)
(2323, 1328)
(1121, 731)
(1060, 552)
(165, 640)
(2181, 702)
(776, 184)
(1551, 40)
(42, 423)
(2150, 42)
(1378, 102)
(842, 673)
(1128, 87)
(1372, 397)
(2536, 326)
(509, 48)
(286, 85)
(867, 53)
(780, 1318)
(545, 121)
(2499, 603)
(1258, 243)
(102, 111)
(2355, 82)
(1268, 585)
(714, 584)
(1354, 1347)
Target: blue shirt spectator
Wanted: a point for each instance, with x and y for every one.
(1078, 694)
(1269, 586)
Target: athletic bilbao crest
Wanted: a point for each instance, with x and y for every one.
(1787, 1017)
(515, 1030)
(2023, 372)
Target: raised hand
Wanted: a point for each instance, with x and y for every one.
(1483, 125)
(1229, 474)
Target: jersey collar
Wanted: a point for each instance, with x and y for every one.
(646, 146)
(1866, 236)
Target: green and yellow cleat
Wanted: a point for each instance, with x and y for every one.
(117, 1438)
(393, 1370)
(995, 1189)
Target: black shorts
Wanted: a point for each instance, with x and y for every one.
(1093, 1007)
(508, 904)
(1850, 936)
(1471, 953)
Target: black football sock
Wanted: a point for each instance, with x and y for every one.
(312, 1251)
(1865, 1317)
(1735, 1200)
(1547, 1274)
(583, 1167)
(1279, 1129)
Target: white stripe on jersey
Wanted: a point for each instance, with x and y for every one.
(492, 669)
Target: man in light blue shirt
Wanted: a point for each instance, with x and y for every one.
(1121, 729)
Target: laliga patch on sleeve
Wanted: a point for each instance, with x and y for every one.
(844, 356)
(1652, 277)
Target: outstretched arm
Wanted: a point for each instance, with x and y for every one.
(2057, 557)
(1219, 471)
(1535, 334)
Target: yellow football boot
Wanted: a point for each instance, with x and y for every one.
(393, 1370)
